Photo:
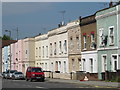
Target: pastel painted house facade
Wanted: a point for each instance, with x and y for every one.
(2, 59)
(42, 51)
(28, 53)
(107, 41)
(20, 55)
(118, 28)
(37, 51)
(58, 50)
(5, 58)
(89, 61)
(13, 56)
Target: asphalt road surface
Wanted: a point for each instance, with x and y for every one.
(8, 83)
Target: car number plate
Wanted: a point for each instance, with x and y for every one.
(38, 77)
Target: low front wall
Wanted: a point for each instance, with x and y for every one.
(57, 75)
(110, 75)
(74, 76)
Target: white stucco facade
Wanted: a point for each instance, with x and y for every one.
(37, 50)
(58, 50)
(87, 64)
(44, 52)
(2, 59)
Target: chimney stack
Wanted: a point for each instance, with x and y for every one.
(111, 4)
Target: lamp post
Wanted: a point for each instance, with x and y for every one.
(9, 33)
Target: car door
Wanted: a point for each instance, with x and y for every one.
(28, 73)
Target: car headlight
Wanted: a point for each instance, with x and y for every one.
(33, 74)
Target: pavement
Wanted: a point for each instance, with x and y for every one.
(99, 84)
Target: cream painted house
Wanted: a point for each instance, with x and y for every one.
(42, 51)
(28, 53)
(37, 50)
(58, 50)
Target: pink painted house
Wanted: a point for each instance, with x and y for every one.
(14, 56)
(20, 55)
(12, 49)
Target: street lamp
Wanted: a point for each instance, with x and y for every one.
(9, 33)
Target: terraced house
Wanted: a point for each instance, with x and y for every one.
(58, 49)
(118, 28)
(89, 61)
(74, 46)
(6, 58)
(108, 41)
(20, 55)
(37, 50)
(42, 51)
(28, 53)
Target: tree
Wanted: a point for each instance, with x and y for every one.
(5, 37)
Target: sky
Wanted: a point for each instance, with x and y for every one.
(33, 18)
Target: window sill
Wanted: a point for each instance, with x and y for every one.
(65, 53)
(92, 48)
(84, 49)
(112, 44)
(102, 45)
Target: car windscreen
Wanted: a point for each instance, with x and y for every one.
(18, 73)
(37, 70)
(13, 71)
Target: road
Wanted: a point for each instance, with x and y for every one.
(7, 83)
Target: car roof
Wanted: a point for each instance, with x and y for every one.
(34, 67)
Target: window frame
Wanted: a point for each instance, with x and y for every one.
(110, 43)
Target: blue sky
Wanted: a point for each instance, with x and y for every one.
(33, 18)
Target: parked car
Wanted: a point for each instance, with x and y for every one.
(35, 73)
(1, 75)
(5, 74)
(18, 75)
(10, 73)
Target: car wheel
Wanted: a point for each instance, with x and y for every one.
(30, 79)
(26, 79)
(43, 80)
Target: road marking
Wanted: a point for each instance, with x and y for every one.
(39, 87)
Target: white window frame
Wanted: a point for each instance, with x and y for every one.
(83, 64)
(112, 62)
(80, 64)
(91, 65)
(85, 43)
(60, 47)
(64, 66)
(110, 43)
(47, 51)
(39, 51)
(51, 49)
(101, 31)
(55, 48)
(65, 46)
(104, 68)
(43, 51)
(92, 41)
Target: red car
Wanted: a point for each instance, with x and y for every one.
(35, 73)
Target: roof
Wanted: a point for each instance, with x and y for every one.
(7, 42)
